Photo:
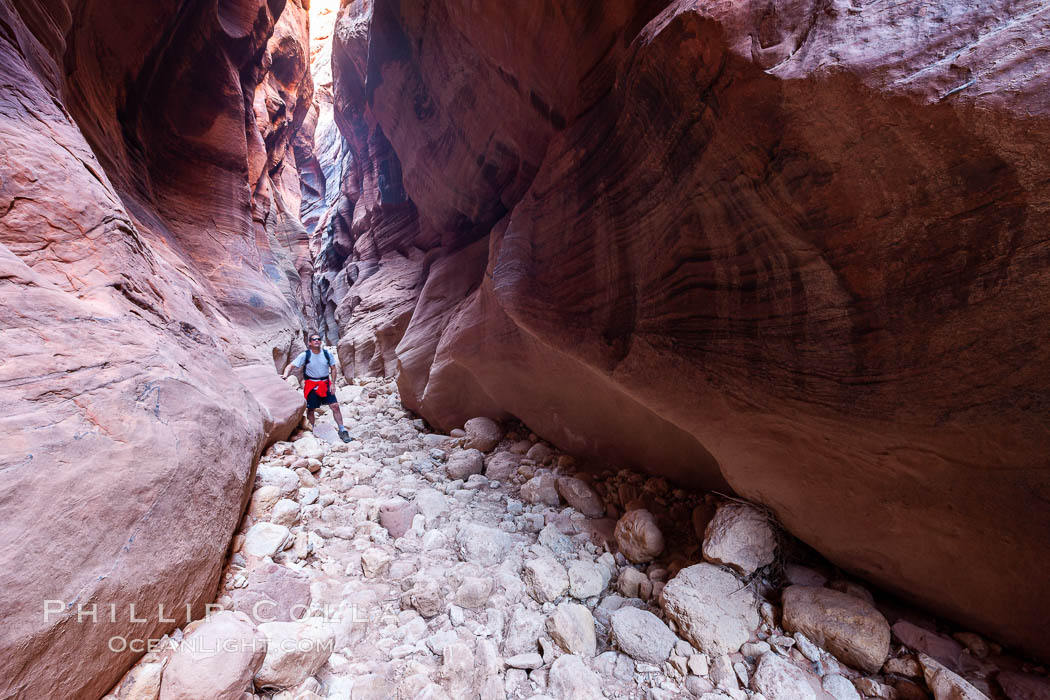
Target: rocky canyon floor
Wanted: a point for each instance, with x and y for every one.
(485, 564)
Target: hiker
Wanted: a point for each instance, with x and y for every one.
(318, 382)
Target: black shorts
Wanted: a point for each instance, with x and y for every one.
(313, 400)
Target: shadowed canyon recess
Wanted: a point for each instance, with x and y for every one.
(795, 253)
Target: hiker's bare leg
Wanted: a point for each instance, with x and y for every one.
(310, 415)
(337, 413)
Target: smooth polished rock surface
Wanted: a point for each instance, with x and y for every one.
(791, 251)
(149, 292)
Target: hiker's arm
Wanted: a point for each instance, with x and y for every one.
(331, 374)
(288, 369)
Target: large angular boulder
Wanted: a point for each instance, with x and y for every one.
(839, 687)
(481, 544)
(283, 479)
(501, 465)
(462, 463)
(571, 626)
(740, 537)
(265, 539)
(309, 447)
(578, 494)
(432, 504)
(711, 607)
(639, 537)
(396, 516)
(587, 579)
(542, 490)
(545, 579)
(282, 405)
(141, 682)
(642, 635)
(848, 627)
(482, 434)
(294, 652)
(216, 659)
(1023, 686)
(779, 679)
(945, 684)
(524, 628)
(424, 597)
(285, 512)
(274, 593)
(944, 649)
(569, 678)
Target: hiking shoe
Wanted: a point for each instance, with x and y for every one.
(345, 435)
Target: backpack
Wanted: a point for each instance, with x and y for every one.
(306, 359)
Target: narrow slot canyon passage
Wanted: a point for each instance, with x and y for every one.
(681, 350)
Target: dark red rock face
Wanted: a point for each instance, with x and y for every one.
(799, 249)
(149, 280)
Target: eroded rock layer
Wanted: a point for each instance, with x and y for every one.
(796, 248)
(152, 271)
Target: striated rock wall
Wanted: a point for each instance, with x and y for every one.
(152, 272)
(355, 205)
(793, 248)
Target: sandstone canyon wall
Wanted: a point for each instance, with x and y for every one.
(795, 249)
(152, 272)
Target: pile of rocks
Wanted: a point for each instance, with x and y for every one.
(487, 565)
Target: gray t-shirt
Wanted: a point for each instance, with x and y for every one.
(317, 367)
